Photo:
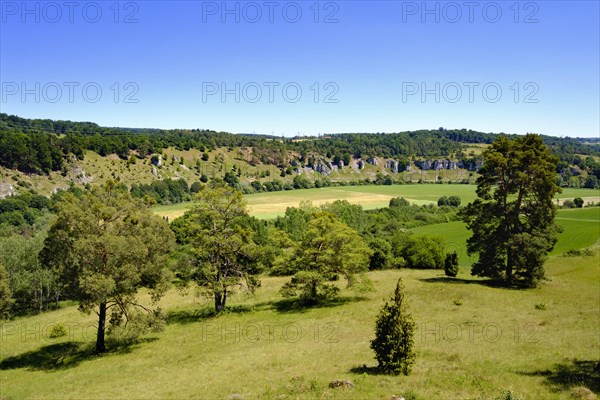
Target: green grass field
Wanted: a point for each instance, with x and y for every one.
(472, 341)
(581, 229)
(271, 204)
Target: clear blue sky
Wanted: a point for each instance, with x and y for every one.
(371, 62)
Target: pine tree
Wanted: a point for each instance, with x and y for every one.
(394, 331)
(451, 264)
(512, 218)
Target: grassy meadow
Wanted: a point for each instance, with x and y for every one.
(473, 341)
(271, 204)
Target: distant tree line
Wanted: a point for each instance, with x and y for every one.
(41, 146)
(166, 191)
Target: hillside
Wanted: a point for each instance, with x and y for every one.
(47, 156)
(467, 346)
(188, 165)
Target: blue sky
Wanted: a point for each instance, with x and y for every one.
(307, 67)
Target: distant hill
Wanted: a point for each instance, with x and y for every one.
(47, 155)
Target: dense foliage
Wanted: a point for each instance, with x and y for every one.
(166, 191)
(513, 217)
(22, 211)
(328, 249)
(6, 299)
(219, 250)
(104, 246)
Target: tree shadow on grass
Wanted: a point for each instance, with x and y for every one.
(567, 375)
(364, 369)
(184, 317)
(483, 282)
(190, 316)
(51, 357)
(297, 306)
(64, 355)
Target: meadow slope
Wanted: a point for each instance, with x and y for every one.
(473, 341)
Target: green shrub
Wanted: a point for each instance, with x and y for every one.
(452, 201)
(410, 395)
(195, 187)
(57, 331)
(578, 253)
(420, 251)
(451, 264)
(394, 336)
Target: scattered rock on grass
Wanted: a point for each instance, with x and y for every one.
(338, 383)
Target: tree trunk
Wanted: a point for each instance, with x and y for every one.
(509, 269)
(100, 347)
(220, 300)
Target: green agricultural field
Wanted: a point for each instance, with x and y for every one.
(272, 204)
(581, 229)
(472, 341)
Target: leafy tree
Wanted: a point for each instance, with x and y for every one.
(420, 251)
(257, 186)
(164, 191)
(400, 202)
(578, 201)
(33, 286)
(6, 300)
(219, 243)
(106, 246)
(329, 248)
(295, 221)
(195, 187)
(301, 182)
(568, 203)
(394, 335)
(591, 182)
(512, 218)
(382, 254)
(451, 264)
(352, 215)
(454, 201)
(231, 179)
